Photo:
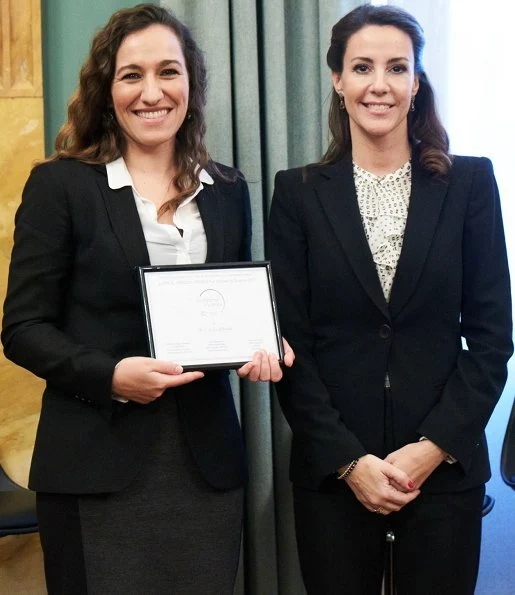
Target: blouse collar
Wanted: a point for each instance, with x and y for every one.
(119, 176)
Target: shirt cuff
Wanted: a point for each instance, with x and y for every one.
(116, 397)
(119, 399)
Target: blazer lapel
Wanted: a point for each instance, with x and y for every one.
(337, 195)
(209, 202)
(126, 223)
(427, 196)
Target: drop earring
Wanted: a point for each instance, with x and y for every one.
(412, 105)
(108, 117)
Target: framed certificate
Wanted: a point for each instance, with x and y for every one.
(210, 315)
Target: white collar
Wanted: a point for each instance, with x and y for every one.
(119, 176)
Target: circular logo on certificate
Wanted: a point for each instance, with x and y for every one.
(211, 302)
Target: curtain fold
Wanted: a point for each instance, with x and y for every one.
(268, 89)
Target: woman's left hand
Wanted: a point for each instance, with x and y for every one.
(418, 460)
(265, 367)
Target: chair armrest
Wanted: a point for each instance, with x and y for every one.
(508, 451)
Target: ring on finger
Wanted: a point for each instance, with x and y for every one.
(379, 510)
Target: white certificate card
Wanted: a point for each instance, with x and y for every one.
(210, 316)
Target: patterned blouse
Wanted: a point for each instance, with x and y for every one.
(383, 205)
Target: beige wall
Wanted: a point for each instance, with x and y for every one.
(22, 142)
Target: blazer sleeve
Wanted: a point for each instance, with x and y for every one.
(40, 271)
(458, 420)
(325, 441)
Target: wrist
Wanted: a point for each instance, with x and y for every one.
(344, 472)
(114, 395)
(438, 451)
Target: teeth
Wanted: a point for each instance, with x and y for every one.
(378, 107)
(152, 115)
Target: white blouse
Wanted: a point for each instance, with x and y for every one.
(383, 205)
(165, 244)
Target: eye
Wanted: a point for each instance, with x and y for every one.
(399, 68)
(131, 76)
(170, 72)
(361, 68)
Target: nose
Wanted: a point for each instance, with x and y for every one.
(151, 92)
(379, 83)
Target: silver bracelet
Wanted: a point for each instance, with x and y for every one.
(349, 469)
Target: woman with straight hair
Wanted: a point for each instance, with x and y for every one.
(386, 255)
(138, 465)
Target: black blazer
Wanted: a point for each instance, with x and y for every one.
(452, 281)
(73, 310)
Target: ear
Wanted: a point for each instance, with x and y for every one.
(416, 85)
(336, 77)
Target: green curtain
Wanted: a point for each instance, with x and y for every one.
(267, 105)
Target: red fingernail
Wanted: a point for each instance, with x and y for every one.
(411, 485)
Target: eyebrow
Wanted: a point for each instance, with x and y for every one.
(138, 67)
(370, 61)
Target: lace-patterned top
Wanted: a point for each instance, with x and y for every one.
(383, 205)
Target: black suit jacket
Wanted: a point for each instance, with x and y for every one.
(73, 310)
(452, 281)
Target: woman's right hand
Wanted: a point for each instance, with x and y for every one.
(144, 379)
(371, 481)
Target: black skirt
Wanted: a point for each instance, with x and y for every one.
(168, 532)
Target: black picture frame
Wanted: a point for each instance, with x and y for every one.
(217, 288)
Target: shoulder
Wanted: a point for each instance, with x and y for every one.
(293, 182)
(225, 175)
(226, 179)
(301, 182)
(314, 173)
(462, 163)
(214, 169)
(472, 175)
(294, 174)
(473, 179)
(67, 169)
(62, 184)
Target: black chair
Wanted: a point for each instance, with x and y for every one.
(17, 508)
(389, 579)
(508, 451)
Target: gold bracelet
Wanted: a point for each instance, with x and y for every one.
(349, 469)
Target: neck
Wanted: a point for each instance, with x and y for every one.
(160, 161)
(381, 155)
(381, 162)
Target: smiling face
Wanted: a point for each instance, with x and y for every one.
(377, 83)
(150, 88)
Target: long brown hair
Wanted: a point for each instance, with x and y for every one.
(425, 129)
(92, 135)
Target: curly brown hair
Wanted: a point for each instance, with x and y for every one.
(425, 130)
(91, 133)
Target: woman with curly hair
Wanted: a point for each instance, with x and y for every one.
(138, 465)
(386, 254)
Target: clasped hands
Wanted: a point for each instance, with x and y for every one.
(387, 485)
(144, 379)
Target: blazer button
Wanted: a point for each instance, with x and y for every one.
(385, 331)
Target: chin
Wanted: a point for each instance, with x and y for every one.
(157, 141)
(378, 132)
